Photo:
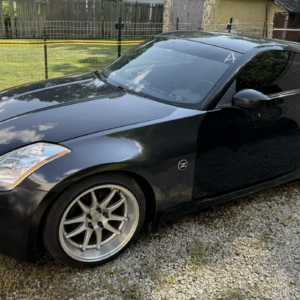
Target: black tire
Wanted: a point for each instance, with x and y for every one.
(52, 236)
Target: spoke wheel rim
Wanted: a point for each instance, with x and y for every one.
(99, 223)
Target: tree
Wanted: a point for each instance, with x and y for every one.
(167, 12)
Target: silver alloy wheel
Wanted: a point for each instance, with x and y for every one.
(99, 223)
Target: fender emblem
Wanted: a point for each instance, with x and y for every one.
(183, 164)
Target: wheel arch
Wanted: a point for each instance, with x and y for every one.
(148, 194)
(140, 180)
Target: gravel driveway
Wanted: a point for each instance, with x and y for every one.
(246, 249)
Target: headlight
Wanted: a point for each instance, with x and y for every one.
(16, 165)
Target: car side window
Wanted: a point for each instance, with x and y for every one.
(271, 72)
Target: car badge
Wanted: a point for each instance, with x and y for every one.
(182, 165)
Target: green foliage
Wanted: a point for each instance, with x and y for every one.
(5, 8)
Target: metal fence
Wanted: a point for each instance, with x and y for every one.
(25, 61)
(20, 18)
(101, 30)
(76, 47)
(247, 28)
(80, 30)
(287, 34)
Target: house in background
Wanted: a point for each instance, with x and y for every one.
(283, 13)
(291, 6)
(208, 13)
(291, 17)
(242, 11)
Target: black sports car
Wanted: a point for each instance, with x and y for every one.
(183, 121)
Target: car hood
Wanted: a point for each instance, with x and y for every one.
(60, 109)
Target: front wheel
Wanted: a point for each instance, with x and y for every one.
(94, 220)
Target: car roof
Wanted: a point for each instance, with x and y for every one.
(236, 42)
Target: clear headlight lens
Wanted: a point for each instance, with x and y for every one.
(16, 165)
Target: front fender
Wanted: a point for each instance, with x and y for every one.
(152, 150)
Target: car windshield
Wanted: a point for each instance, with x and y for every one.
(173, 71)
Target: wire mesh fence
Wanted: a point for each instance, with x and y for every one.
(26, 17)
(72, 47)
(287, 34)
(26, 63)
(79, 46)
(79, 30)
(249, 28)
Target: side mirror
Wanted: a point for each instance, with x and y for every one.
(249, 99)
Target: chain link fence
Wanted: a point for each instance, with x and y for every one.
(248, 28)
(73, 47)
(65, 47)
(287, 34)
(79, 30)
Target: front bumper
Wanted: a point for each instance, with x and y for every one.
(20, 215)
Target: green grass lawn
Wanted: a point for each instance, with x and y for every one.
(22, 64)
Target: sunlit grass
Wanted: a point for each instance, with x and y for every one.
(22, 64)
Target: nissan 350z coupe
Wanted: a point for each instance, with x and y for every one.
(182, 121)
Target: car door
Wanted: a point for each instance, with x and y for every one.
(239, 148)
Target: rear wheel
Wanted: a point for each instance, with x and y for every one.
(95, 220)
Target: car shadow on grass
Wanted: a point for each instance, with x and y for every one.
(81, 66)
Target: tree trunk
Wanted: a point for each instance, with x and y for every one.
(167, 13)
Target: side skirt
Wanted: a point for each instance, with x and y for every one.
(199, 204)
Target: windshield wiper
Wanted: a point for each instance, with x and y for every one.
(121, 87)
(131, 91)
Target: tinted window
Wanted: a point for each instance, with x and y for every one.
(271, 72)
(173, 71)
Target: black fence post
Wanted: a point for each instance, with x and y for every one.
(120, 23)
(45, 48)
(229, 25)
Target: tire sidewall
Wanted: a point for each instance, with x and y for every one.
(53, 219)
